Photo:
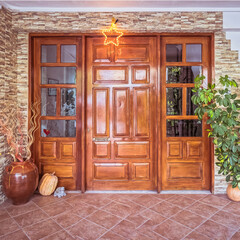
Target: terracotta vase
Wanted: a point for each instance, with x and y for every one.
(233, 193)
(20, 180)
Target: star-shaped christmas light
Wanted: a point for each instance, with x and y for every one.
(112, 35)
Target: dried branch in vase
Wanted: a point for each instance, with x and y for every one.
(11, 124)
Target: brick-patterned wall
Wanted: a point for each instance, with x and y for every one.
(8, 83)
(226, 61)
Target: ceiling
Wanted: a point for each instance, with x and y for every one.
(117, 5)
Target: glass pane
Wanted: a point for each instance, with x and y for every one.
(184, 128)
(194, 52)
(49, 54)
(68, 53)
(58, 128)
(174, 101)
(173, 52)
(182, 74)
(48, 101)
(58, 75)
(68, 101)
(190, 106)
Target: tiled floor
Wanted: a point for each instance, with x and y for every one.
(122, 216)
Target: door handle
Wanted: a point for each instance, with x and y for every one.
(106, 139)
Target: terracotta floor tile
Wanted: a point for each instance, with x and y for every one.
(196, 236)
(181, 201)
(163, 196)
(123, 196)
(18, 235)
(222, 196)
(3, 214)
(147, 200)
(8, 226)
(188, 219)
(67, 218)
(104, 219)
(118, 209)
(124, 228)
(215, 231)
(172, 230)
(30, 218)
(203, 210)
(155, 217)
(42, 229)
(137, 219)
(138, 236)
(76, 201)
(233, 207)
(227, 219)
(147, 230)
(98, 202)
(42, 201)
(111, 236)
(236, 236)
(86, 230)
(166, 209)
(59, 235)
(57, 208)
(15, 210)
(84, 210)
(195, 196)
(215, 201)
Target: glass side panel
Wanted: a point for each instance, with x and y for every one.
(185, 74)
(68, 53)
(48, 101)
(194, 52)
(184, 128)
(68, 101)
(49, 53)
(58, 75)
(174, 101)
(58, 128)
(190, 106)
(174, 52)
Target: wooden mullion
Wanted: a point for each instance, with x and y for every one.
(182, 64)
(184, 58)
(180, 117)
(184, 101)
(178, 85)
(58, 102)
(58, 86)
(58, 53)
(58, 64)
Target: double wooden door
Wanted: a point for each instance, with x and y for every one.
(121, 117)
(127, 122)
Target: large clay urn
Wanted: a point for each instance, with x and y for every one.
(233, 193)
(20, 180)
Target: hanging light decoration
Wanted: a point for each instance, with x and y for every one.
(112, 35)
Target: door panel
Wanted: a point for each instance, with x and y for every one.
(121, 114)
(185, 145)
(57, 85)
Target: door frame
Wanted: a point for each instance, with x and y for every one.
(81, 156)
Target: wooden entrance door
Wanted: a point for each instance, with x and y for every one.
(120, 114)
(185, 145)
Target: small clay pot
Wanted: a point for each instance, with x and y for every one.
(20, 180)
(233, 193)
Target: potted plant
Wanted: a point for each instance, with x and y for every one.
(20, 177)
(222, 108)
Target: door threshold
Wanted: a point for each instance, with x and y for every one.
(185, 192)
(124, 191)
(145, 192)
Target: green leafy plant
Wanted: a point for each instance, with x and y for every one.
(223, 109)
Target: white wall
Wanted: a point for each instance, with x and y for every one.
(231, 25)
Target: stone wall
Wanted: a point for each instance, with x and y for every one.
(226, 61)
(8, 83)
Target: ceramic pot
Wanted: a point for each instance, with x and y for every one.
(233, 193)
(20, 180)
